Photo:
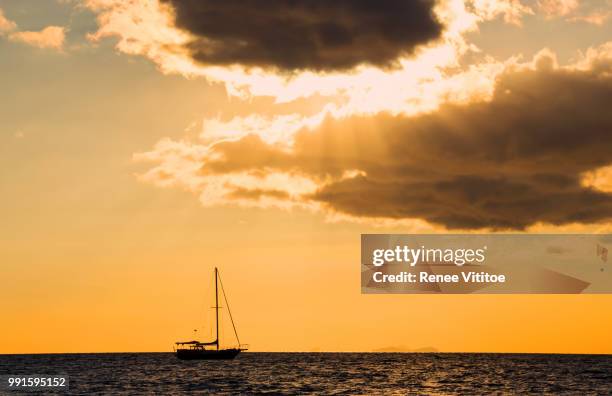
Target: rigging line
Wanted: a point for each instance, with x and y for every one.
(228, 309)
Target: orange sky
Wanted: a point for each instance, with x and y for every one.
(111, 228)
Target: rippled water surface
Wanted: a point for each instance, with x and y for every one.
(324, 373)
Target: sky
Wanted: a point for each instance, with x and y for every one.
(143, 143)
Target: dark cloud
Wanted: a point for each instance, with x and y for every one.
(305, 34)
(505, 164)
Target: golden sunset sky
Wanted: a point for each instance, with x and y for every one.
(143, 143)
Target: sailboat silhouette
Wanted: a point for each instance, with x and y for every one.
(194, 350)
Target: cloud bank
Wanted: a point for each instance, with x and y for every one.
(416, 81)
(446, 136)
(304, 34)
(507, 163)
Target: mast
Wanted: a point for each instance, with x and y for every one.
(217, 307)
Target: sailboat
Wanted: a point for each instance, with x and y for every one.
(196, 350)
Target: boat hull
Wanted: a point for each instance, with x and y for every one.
(213, 354)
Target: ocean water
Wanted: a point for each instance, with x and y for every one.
(324, 373)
